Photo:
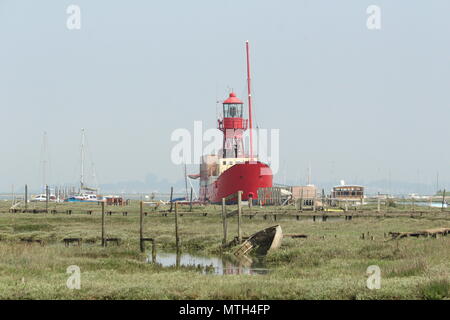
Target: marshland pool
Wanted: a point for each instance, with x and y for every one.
(218, 265)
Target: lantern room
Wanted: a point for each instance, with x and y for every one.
(232, 107)
(233, 126)
(233, 114)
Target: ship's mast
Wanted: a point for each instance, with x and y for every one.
(44, 156)
(82, 160)
(250, 120)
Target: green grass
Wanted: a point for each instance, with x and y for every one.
(436, 289)
(330, 264)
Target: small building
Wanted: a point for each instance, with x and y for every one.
(114, 200)
(348, 192)
(307, 195)
(303, 197)
(274, 195)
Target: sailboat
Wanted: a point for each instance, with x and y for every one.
(86, 193)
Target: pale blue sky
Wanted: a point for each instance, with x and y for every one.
(353, 102)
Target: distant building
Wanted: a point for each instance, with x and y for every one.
(114, 200)
(348, 192)
(307, 194)
(274, 195)
(304, 197)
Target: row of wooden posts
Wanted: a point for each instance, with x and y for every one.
(239, 216)
(143, 239)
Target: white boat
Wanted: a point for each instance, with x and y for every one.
(86, 194)
(42, 198)
(83, 197)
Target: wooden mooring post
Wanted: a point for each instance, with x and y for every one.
(378, 203)
(177, 238)
(224, 221)
(103, 225)
(171, 195)
(239, 196)
(443, 200)
(190, 202)
(301, 201)
(26, 197)
(323, 201)
(47, 196)
(141, 226)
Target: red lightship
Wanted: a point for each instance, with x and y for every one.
(232, 170)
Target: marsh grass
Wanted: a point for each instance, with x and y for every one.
(330, 264)
(436, 289)
(407, 268)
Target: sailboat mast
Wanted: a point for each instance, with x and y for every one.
(250, 120)
(82, 159)
(44, 160)
(186, 182)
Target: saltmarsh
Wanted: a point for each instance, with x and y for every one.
(330, 264)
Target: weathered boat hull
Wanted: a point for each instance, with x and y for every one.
(262, 242)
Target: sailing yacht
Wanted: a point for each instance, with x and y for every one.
(86, 194)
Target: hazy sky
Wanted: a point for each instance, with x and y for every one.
(355, 103)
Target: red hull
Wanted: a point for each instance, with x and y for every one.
(247, 177)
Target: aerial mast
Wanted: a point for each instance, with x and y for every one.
(250, 120)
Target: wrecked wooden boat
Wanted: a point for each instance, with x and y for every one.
(424, 233)
(261, 242)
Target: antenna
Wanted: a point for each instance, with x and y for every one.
(250, 120)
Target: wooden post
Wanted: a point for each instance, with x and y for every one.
(13, 196)
(171, 195)
(141, 226)
(386, 205)
(314, 202)
(47, 195)
(177, 239)
(443, 200)
(178, 258)
(239, 215)
(26, 197)
(301, 201)
(224, 221)
(378, 203)
(153, 250)
(103, 224)
(323, 200)
(190, 204)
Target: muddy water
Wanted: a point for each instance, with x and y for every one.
(219, 265)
